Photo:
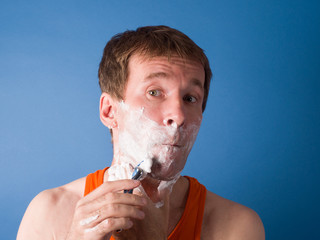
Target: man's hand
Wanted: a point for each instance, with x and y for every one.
(105, 210)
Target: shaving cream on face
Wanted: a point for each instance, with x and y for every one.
(119, 171)
(162, 150)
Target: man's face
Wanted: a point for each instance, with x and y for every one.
(162, 113)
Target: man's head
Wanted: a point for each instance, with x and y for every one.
(155, 83)
(148, 42)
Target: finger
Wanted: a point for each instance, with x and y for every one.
(112, 186)
(91, 208)
(111, 210)
(122, 198)
(121, 211)
(110, 225)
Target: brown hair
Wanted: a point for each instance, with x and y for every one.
(150, 41)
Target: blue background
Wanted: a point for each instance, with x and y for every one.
(259, 142)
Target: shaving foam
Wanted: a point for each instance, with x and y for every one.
(88, 220)
(145, 142)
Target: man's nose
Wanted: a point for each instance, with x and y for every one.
(175, 113)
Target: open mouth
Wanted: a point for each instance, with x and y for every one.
(172, 145)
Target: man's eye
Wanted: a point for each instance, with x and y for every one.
(190, 99)
(154, 93)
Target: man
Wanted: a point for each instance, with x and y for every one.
(155, 83)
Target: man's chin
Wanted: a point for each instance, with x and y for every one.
(166, 170)
(164, 176)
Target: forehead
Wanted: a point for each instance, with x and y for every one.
(144, 65)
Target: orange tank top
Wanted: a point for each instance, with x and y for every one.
(189, 226)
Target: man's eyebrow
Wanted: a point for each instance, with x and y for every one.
(194, 81)
(197, 82)
(156, 75)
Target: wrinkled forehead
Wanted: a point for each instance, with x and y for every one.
(160, 67)
(173, 58)
(187, 65)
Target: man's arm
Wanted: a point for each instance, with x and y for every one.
(247, 225)
(36, 222)
(225, 219)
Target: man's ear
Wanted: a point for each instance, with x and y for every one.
(108, 109)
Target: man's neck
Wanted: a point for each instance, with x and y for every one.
(177, 191)
(174, 198)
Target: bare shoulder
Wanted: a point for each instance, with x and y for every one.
(51, 209)
(225, 219)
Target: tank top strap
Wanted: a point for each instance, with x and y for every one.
(94, 180)
(189, 226)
